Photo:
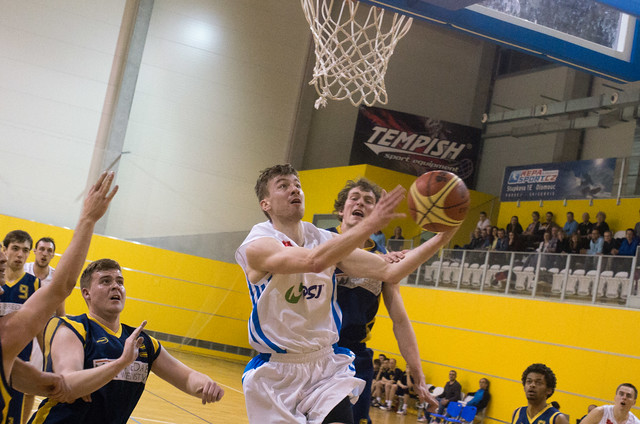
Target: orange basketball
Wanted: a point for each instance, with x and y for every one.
(438, 201)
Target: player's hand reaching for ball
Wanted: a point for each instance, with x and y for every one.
(384, 210)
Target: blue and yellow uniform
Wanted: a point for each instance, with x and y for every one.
(5, 396)
(547, 416)
(15, 294)
(359, 299)
(115, 401)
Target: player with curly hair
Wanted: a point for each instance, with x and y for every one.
(539, 383)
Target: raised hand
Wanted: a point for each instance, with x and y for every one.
(132, 345)
(99, 197)
(384, 210)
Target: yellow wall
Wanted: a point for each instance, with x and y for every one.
(176, 293)
(619, 217)
(591, 349)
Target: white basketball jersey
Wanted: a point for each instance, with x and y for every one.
(28, 267)
(607, 417)
(292, 313)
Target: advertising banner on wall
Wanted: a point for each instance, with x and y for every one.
(583, 179)
(414, 144)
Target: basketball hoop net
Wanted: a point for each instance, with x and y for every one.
(352, 57)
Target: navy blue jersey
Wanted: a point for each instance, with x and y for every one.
(15, 294)
(5, 396)
(546, 416)
(358, 299)
(115, 401)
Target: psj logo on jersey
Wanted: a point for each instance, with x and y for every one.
(311, 292)
(536, 175)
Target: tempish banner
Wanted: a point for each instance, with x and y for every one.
(583, 179)
(414, 144)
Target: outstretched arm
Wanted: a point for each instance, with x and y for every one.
(407, 341)
(593, 417)
(363, 264)
(186, 379)
(27, 379)
(19, 328)
(67, 354)
(266, 255)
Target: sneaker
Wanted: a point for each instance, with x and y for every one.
(384, 407)
(402, 412)
(375, 404)
(422, 419)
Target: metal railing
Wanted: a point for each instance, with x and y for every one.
(592, 279)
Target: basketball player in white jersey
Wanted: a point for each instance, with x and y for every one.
(619, 412)
(301, 375)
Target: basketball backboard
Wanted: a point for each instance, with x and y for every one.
(596, 36)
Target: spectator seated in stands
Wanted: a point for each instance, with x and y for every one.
(609, 245)
(501, 243)
(571, 226)
(629, 244)
(404, 390)
(562, 245)
(514, 226)
(378, 384)
(483, 221)
(452, 392)
(548, 224)
(530, 235)
(575, 244)
(476, 240)
(596, 243)
(394, 375)
(600, 224)
(546, 245)
(396, 243)
(585, 227)
(480, 400)
(515, 243)
(489, 234)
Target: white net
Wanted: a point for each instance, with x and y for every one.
(352, 56)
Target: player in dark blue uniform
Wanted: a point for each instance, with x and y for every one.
(106, 360)
(539, 384)
(17, 329)
(359, 299)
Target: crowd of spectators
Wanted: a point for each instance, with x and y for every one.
(393, 389)
(547, 236)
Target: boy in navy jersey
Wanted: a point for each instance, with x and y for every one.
(539, 384)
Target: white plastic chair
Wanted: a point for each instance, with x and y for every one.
(605, 279)
(467, 274)
(476, 275)
(523, 277)
(455, 272)
(558, 279)
(586, 282)
(491, 272)
(572, 281)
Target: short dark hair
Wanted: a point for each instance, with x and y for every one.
(363, 184)
(632, 230)
(631, 386)
(549, 376)
(570, 213)
(99, 265)
(536, 213)
(46, 240)
(267, 174)
(17, 236)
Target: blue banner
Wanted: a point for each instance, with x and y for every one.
(584, 179)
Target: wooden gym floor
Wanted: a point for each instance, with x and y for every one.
(162, 403)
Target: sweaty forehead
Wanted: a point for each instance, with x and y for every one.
(113, 273)
(287, 178)
(535, 376)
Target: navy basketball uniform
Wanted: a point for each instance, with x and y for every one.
(115, 401)
(546, 416)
